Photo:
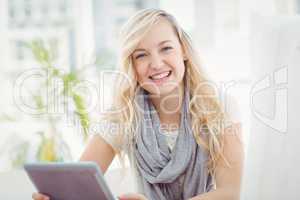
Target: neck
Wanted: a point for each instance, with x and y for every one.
(169, 106)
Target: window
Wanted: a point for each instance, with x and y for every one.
(20, 49)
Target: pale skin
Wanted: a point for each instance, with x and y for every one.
(160, 51)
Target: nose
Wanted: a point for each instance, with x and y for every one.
(156, 61)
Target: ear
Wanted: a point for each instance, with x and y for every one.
(184, 57)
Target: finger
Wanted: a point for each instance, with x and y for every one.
(132, 196)
(39, 196)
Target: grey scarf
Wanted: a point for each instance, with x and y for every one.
(159, 167)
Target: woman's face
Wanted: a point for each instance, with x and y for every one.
(158, 60)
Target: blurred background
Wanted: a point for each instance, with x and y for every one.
(53, 54)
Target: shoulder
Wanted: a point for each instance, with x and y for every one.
(233, 118)
(111, 132)
(231, 108)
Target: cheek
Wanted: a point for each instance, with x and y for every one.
(179, 68)
(141, 73)
(176, 59)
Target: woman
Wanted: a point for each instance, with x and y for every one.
(168, 119)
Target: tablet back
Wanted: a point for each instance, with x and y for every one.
(69, 181)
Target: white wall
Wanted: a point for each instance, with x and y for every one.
(272, 165)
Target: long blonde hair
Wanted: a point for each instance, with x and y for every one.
(207, 113)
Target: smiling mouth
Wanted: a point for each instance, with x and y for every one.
(160, 76)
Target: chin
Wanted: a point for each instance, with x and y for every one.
(161, 91)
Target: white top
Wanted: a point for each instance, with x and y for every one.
(171, 137)
(109, 136)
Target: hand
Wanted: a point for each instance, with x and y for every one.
(132, 196)
(39, 196)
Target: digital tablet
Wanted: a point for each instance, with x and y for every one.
(69, 181)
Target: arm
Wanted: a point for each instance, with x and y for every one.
(228, 180)
(99, 151)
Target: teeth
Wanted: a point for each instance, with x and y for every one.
(159, 76)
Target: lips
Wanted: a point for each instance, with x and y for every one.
(161, 75)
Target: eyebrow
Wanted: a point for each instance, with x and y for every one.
(162, 42)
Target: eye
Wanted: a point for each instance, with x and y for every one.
(140, 55)
(166, 48)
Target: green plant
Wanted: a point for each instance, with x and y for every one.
(51, 145)
(45, 57)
